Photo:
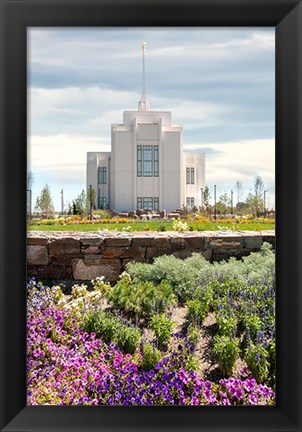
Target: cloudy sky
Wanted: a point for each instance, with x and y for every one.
(218, 82)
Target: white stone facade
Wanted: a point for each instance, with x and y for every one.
(147, 167)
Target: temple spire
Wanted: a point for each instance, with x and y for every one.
(143, 104)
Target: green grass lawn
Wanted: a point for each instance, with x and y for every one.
(153, 226)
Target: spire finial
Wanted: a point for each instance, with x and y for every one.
(143, 104)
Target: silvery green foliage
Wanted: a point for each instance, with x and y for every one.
(258, 267)
(193, 274)
(179, 273)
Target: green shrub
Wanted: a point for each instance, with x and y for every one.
(256, 357)
(150, 356)
(141, 298)
(101, 323)
(127, 338)
(272, 352)
(272, 360)
(193, 333)
(184, 355)
(226, 287)
(226, 351)
(111, 329)
(162, 327)
(197, 311)
(192, 362)
(227, 325)
(254, 324)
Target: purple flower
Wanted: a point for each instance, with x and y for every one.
(117, 395)
(207, 394)
(249, 384)
(252, 398)
(194, 401)
(183, 376)
(239, 393)
(208, 385)
(265, 391)
(232, 390)
(79, 368)
(37, 352)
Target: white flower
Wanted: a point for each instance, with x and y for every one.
(178, 225)
(128, 228)
(98, 282)
(125, 276)
(79, 291)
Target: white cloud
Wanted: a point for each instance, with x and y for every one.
(95, 48)
(243, 160)
(91, 111)
(255, 41)
(63, 157)
(230, 161)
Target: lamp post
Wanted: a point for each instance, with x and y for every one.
(215, 210)
(231, 201)
(201, 199)
(264, 202)
(90, 203)
(29, 204)
(62, 202)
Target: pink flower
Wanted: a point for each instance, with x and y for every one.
(249, 384)
(37, 352)
(194, 401)
(253, 399)
(239, 393)
(184, 377)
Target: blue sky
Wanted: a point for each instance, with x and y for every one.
(219, 84)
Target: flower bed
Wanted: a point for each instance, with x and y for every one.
(121, 345)
(189, 223)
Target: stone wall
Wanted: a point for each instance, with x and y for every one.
(84, 256)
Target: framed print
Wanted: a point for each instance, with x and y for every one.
(20, 20)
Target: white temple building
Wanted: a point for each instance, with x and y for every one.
(147, 167)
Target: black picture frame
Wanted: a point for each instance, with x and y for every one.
(16, 16)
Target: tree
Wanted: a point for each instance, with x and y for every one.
(206, 196)
(239, 189)
(258, 186)
(44, 202)
(30, 180)
(79, 204)
(223, 203)
(255, 201)
(242, 208)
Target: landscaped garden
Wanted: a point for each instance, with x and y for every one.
(198, 223)
(175, 332)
